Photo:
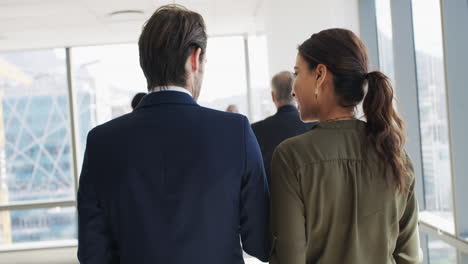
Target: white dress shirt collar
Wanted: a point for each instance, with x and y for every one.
(170, 88)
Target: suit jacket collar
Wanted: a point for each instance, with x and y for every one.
(287, 108)
(166, 97)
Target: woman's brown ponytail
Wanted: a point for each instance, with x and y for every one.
(385, 128)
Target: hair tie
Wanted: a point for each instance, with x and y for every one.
(367, 75)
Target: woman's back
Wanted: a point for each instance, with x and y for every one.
(333, 204)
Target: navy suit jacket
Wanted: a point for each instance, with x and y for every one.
(275, 129)
(173, 183)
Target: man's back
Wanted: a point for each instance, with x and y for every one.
(175, 183)
(273, 130)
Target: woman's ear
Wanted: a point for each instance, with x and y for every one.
(322, 73)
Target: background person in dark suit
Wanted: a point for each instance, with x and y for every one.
(284, 124)
(173, 182)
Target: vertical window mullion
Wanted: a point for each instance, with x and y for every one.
(73, 124)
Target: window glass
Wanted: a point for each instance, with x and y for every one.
(35, 141)
(441, 252)
(225, 80)
(433, 113)
(37, 225)
(385, 37)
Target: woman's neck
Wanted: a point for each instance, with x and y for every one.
(337, 114)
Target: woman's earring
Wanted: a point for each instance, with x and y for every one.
(316, 92)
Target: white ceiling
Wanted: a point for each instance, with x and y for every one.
(30, 24)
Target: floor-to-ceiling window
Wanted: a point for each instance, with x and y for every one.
(412, 38)
(35, 147)
(430, 68)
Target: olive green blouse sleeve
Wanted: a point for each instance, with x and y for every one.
(287, 213)
(407, 249)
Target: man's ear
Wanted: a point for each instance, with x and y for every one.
(273, 97)
(195, 59)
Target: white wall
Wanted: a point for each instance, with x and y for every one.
(288, 23)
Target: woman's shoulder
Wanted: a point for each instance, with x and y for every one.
(302, 147)
(300, 142)
(337, 141)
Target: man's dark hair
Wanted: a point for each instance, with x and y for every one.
(136, 99)
(169, 37)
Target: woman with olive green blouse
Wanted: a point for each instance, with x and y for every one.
(343, 192)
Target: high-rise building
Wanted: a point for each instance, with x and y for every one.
(37, 160)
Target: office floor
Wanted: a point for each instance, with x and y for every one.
(58, 256)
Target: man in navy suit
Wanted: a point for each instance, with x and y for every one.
(173, 182)
(284, 124)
